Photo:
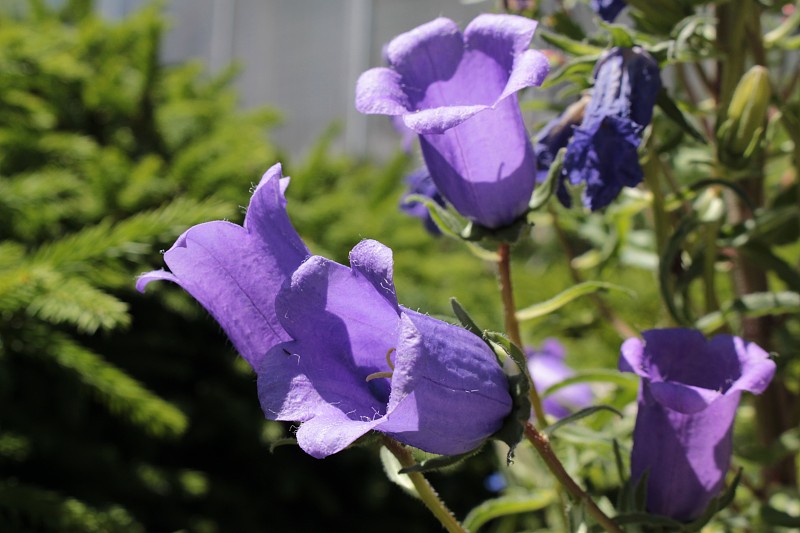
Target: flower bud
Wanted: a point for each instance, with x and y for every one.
(743, 128)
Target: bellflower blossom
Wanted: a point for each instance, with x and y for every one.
(420, 183)
(690, 390)
(332, 348)
(603, 150)
(458, 92)
(608, 9)
(547, 367)
(556, 135)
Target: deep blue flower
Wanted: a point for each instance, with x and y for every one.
(608, 9)
(603, 151)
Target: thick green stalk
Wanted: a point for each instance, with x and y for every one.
(426, 492)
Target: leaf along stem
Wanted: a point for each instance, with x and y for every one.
(426, 492)
(542, 445)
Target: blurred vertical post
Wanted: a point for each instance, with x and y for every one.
(359, 44)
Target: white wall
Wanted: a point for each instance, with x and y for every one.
(301, 56)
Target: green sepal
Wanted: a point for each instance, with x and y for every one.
(543, 191)
(447, 221)
(439, 462)
(717, 504)
(464, 318)
(574, 417)
(620, 35)
(511, 233)
(513, 427)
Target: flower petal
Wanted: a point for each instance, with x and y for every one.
(380, 91)
(330, 432)
(440, 119)
(340, 314)
(500, 36)
(428, 53)
(756, 368)
(530, 69)
(235, 272)
(459, 392)
(682, 398)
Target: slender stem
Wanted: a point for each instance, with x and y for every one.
(542, 446)
(426, 492)
(625, 331)
(511, 322)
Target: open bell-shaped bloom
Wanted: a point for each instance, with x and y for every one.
(603, 150)
(331, 346)
(547, 367)
(690, 390)
(458, 92)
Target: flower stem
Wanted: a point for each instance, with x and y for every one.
(511, 322)
(426, 492)
(542, 446)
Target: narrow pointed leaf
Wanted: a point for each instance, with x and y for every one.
(563, 298)
(507, 505)
(574, 417)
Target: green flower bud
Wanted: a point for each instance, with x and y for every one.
(740, 134)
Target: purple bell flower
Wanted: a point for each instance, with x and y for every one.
(689, 394)
(420, 183)
(603, 151)
(458, 92)
(608, 9)
(332, 348)
(547, 367)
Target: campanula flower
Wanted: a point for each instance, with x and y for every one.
(420, 183)
(556, 135)
(608, 9)
(331, 346)
(547, 367)
(603, 150)
(690, 390)
(458, 92)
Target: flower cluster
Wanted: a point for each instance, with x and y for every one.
(332, 348)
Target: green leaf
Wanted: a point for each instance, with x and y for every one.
(572, 47)
(676, 305)
(563, 298)
(777, 518)
(620, 35)
(574, 417)
(671, 110)
(752, 305)
(543, 191)
(534, 500)
(593, 376)
(763, 256)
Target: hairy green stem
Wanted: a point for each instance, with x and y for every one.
(511, 322)
(542, 446)
(426, 492)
